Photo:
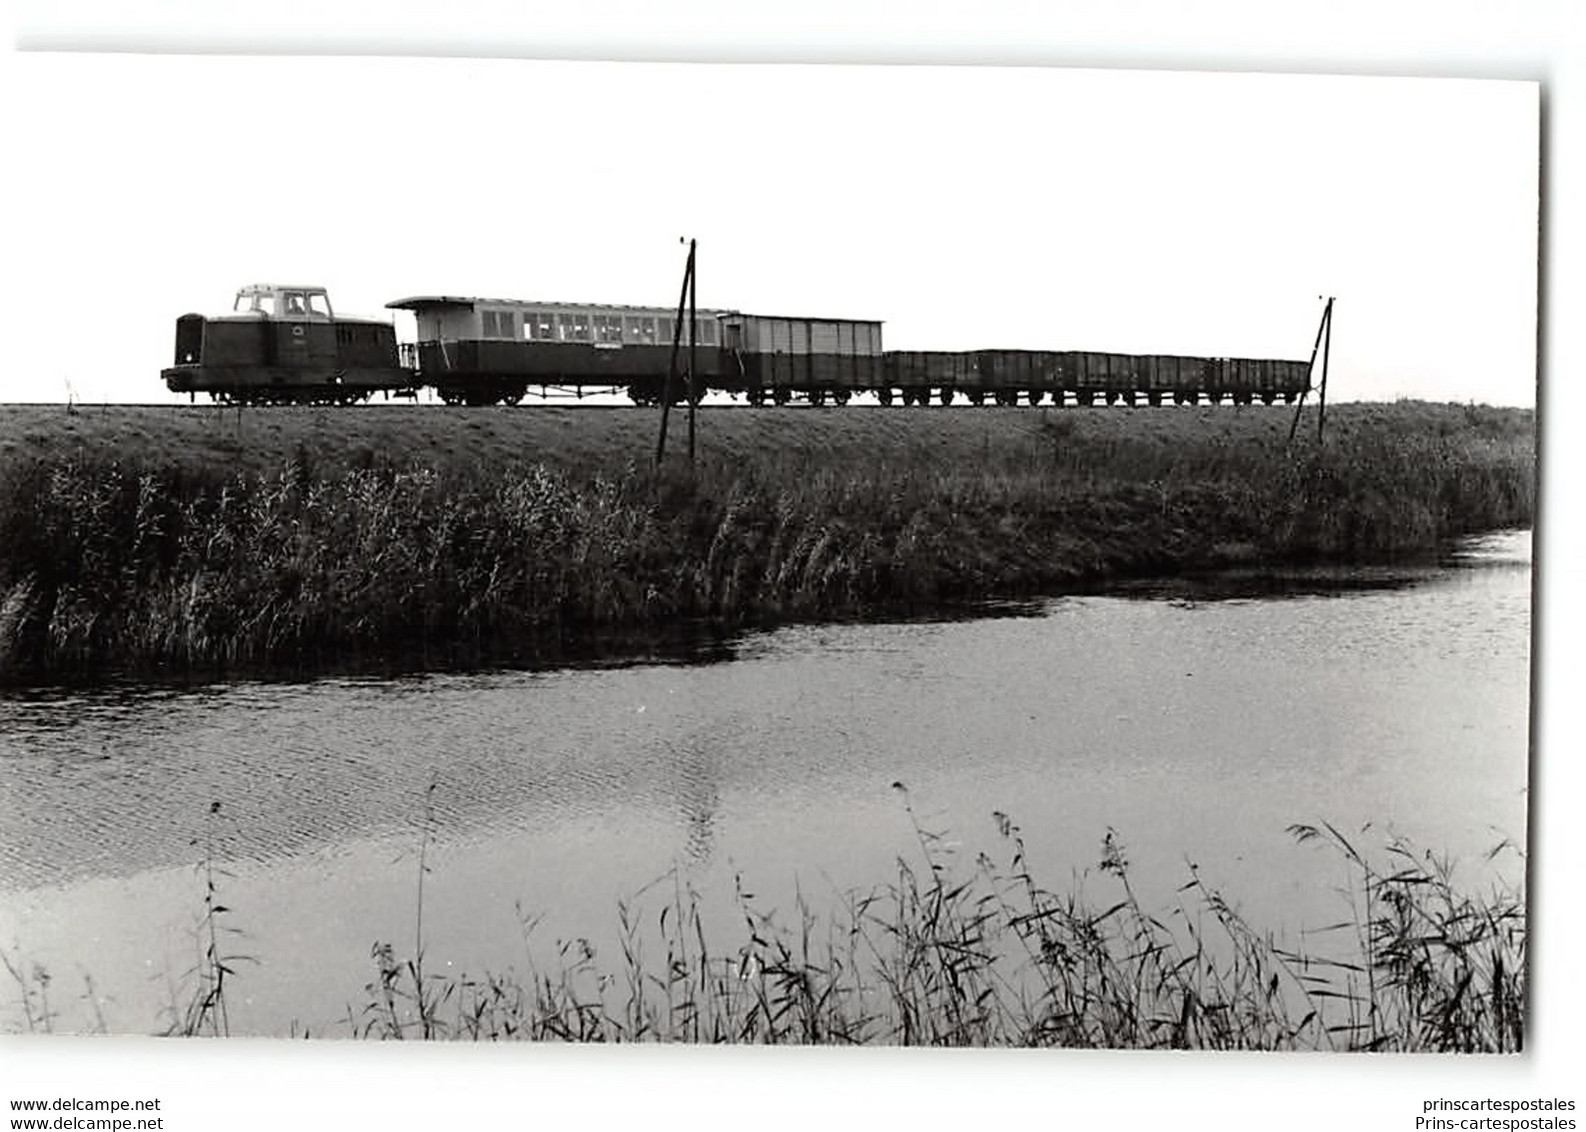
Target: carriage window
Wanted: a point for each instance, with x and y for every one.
(539, 325)
(575, 327)
(497, 324)
(639, 330)
(707, 333)
(608, 328)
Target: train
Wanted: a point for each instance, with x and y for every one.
(285, 345)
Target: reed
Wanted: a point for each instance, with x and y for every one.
(188, 565)
(203, 1008)
(992, 958)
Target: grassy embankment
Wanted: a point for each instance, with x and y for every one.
(176, 540)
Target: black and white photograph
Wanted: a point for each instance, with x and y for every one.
(578, 552)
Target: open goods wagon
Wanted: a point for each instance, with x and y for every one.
(1012, 377)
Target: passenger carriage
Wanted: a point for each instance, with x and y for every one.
(478, 351)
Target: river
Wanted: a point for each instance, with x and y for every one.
(1198, 719)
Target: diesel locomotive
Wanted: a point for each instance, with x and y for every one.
(284, 345)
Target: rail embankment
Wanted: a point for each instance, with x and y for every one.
(163, 540)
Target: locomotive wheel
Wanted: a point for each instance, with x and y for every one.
(884, 395)
(976, 398)
(781, 395)
(756, 396)
(840, 396)
(946, 396)
(1268, 398)
(1155, 398)
(817, 396)
(1035, 396)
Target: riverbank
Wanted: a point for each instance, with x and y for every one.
(172, 541)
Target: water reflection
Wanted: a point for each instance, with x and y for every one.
(1196, 725)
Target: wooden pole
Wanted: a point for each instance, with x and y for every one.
(1327, 350)
(1321, 328)
(671, 366)
(693, 338)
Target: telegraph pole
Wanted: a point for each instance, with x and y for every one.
(1324, 344)
(684, 303)
(693, 338)
(1327, 353)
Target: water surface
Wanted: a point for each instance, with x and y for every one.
(1198, 718)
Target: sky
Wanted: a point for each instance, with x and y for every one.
(966, 207)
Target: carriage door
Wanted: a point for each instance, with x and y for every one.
(734, 369)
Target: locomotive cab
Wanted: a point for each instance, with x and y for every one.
(264, 300)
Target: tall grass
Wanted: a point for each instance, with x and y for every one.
(161, 563)
(993, 958)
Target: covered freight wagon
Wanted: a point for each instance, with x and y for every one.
(780, 357)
